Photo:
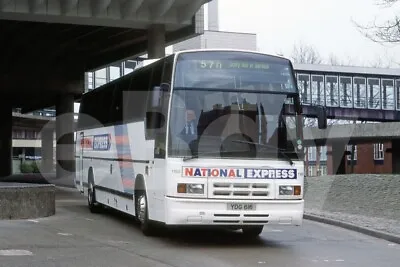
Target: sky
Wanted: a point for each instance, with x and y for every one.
(325, 24)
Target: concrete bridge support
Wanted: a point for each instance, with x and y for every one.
(395, 156)
(5, 139)
(156, 41)
(65, 137)
(47, 164)
(336, 158)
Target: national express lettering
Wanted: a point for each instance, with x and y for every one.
(249, 173)
(101, 142)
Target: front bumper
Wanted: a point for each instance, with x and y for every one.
(184, 211)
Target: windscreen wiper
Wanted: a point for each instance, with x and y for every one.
(210, 152)
(280, 151)
(195, 156)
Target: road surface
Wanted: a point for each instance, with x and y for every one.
(75, 237)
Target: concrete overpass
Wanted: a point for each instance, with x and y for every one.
(338, 136)
(48, 45)
(352, 133)
(51, 43)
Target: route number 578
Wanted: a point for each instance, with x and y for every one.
(211, 64)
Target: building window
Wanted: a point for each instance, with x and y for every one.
(90, 81)
(18, 134)
(323, 153)
(115, 73)
(360, 92)
(345, 92)
(323, 170)
(312, 154)
(374, 93)
(317, 89)
(398, 94)
(378, 152)
(349, 147)
(332, 91)
(100, 77)
(388, 94)
(303, 81)
(30, 134)
(129, 66)
(311, 171)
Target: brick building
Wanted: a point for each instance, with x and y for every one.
(368, 158)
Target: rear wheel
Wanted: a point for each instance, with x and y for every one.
(252, 231)
(94, 207)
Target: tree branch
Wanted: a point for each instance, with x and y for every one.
(385, 32)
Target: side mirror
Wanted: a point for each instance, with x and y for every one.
(322, 117)
(158, 93)
(154, 120)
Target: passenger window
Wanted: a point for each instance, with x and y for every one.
(96, 109)
(116, 111)
(135, 96)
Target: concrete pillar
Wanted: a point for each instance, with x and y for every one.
(65, 153)
(156, 41)
(47, 165)
(337, 158)
(23, 155)
(395, 150)
(5, 139)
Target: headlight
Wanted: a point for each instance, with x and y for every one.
(191, 188)
(289, 190)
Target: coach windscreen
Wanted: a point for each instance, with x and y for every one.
(234, 106)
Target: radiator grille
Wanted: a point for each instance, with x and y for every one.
(240, 190)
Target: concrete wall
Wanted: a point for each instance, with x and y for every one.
(371, 196)
(219, 39)
(233, 40)
(213, 15)
(192, 43)
(24, 201)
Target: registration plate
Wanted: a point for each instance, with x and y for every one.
(239, 206)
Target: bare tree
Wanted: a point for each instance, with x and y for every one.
(307, 54)
(384, 32)
(335, 61)
(385, 61)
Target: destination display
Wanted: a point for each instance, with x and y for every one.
(232, 64)
(218, 70)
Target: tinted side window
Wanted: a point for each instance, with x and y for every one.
(95, 109)
(135, 96)
(118, 98)
(103, 107)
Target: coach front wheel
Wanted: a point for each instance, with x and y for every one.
(142, 214)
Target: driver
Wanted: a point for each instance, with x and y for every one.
(190, 127)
